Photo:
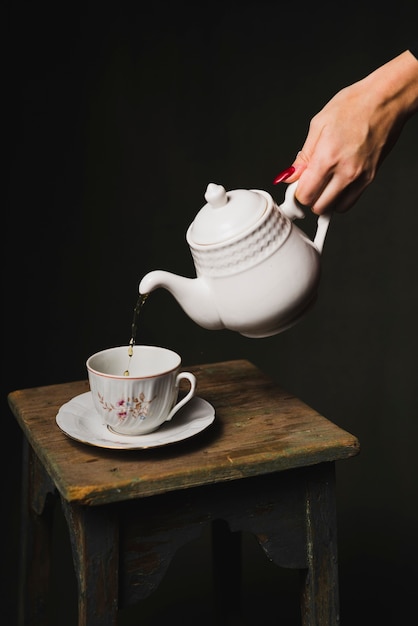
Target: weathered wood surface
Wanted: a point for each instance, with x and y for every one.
(258, 429)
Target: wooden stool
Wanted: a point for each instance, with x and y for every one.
(266, 466)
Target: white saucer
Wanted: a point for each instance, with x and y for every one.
(79, 420)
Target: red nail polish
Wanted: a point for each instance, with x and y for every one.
(283, 175)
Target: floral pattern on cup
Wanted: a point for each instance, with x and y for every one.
(141, 402)
(136, 408)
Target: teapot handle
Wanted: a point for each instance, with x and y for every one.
(291, 208)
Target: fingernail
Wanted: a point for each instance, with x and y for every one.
(283, 175)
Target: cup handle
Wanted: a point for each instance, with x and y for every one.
(192, 379)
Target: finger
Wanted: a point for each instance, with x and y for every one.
(334, 197)
(312, 183)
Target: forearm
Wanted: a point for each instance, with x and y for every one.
(395, 85)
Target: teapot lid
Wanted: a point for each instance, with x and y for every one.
(226, 214)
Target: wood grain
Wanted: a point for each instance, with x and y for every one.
(258, 429)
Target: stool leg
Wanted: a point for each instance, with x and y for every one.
(319, 597)
(227, 572)
(36, 538)
(95, 547)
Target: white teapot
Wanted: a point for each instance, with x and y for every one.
(256, 272)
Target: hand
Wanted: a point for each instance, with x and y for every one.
(350, 137)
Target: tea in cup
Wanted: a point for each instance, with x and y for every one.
(137, 391)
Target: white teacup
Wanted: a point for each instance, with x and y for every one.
(138, 403)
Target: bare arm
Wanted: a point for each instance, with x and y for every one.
(349, 138)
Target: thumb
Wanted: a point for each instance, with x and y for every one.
(292, 173)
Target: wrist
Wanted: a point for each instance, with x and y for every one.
(396, 84)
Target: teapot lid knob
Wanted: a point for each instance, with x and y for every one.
(226, 214)
(216, 195)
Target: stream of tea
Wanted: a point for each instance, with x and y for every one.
(134, 327)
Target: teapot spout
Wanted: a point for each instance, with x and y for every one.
(193, 295)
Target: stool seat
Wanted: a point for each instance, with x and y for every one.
(265, 465)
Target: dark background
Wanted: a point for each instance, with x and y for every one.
(120, 115)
